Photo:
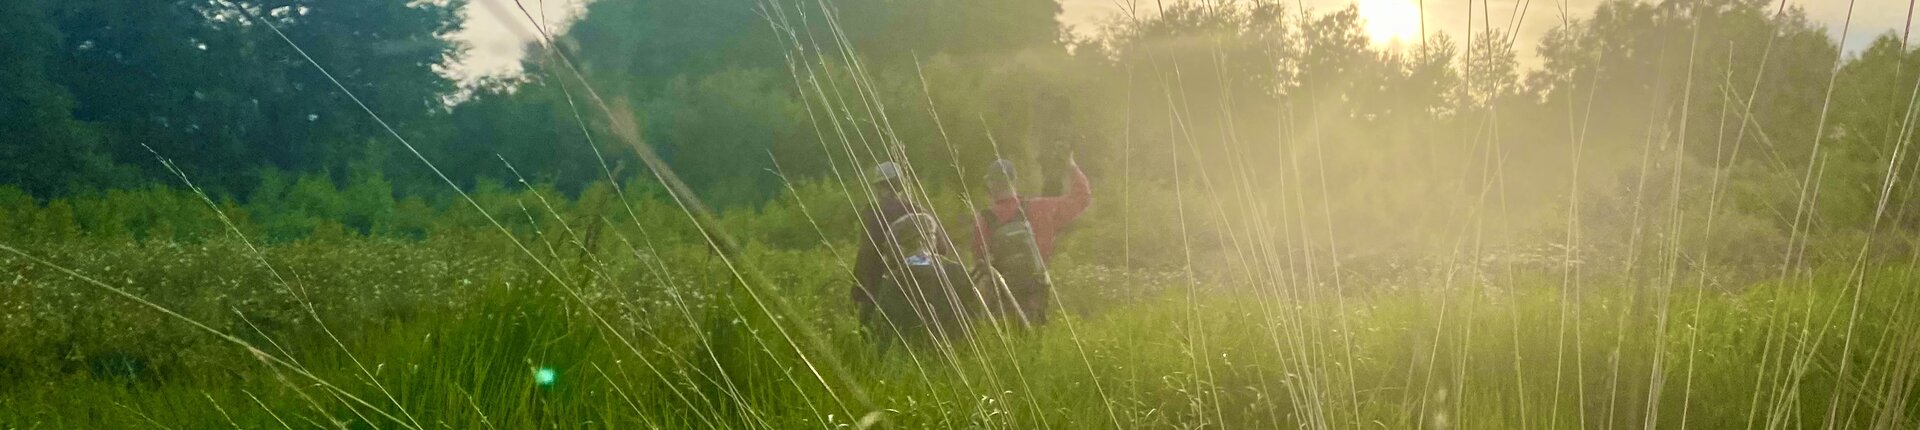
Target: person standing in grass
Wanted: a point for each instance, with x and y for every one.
(1014, 238)
(879, 242)
(923, 295)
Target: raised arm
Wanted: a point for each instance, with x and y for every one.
(1059, 210)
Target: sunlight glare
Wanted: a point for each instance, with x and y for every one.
(1390, 21)
(544, 376)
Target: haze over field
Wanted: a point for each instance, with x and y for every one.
(983, 214)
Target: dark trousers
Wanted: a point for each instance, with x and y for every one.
(1020, 298)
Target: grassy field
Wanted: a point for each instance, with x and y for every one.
(447, 333)
(1672, 214)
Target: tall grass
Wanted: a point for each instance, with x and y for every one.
(1233, 299)
(457, 334)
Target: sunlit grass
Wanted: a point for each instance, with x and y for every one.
(494, 345)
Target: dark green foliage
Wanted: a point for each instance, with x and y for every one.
(636, 47)
(92, 84)
(958, 27)
(530, 125)
(45, 150)
(722, 132)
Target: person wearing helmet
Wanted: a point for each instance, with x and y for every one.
(879, 242)
(1015, 238)
(923, 296)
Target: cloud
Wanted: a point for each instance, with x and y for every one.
(497, 33)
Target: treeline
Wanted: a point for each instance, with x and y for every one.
(90, 85)
(1706, 124)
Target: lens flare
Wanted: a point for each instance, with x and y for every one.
(544, 376)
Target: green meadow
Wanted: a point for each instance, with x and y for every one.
(487, 214)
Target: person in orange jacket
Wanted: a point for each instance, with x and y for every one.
(1015, 239)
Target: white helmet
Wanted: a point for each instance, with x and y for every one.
(886, 171)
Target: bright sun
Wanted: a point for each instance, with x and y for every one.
(1390, 21)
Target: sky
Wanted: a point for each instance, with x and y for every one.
(497, 32)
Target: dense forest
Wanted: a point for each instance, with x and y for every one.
(1720, 162)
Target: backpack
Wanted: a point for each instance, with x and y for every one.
(926, 296)
(1011, 249)
(1017, 285)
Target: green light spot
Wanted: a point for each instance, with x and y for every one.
(544, 376)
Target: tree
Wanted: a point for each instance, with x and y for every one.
(44, 150)
(637, 47)
(530, 123)
(958, 27)
(719, 131)
(206, 84)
